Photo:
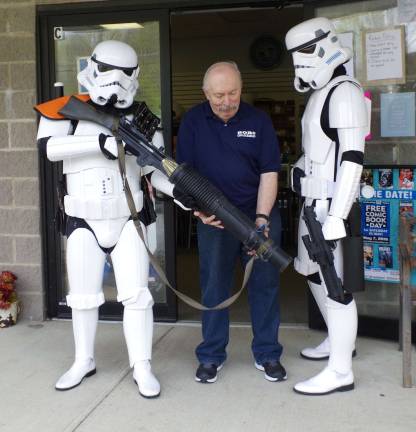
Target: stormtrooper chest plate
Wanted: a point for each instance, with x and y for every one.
(319, 149)
(316, 144)
(94, 184)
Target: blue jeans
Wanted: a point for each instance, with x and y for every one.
(218, 253)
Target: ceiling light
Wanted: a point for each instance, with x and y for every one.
(121, 26)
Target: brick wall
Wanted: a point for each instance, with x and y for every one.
(20, 242)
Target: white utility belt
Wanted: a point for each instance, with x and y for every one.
(317, 188)
(108, 208)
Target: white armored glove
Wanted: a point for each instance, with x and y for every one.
(333, 228)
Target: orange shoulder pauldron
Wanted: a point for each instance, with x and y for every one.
(50, 109)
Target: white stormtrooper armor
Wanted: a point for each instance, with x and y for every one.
(327, 176)
(99, 221)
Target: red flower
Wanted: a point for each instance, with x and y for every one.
(7, 276)
(6, 286)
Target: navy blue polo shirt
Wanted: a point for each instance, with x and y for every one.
(231, 155)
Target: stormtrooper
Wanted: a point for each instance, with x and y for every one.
(327, 176)
(98, 221)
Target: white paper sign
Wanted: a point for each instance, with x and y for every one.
(347, 40)
(383, 50)
(406, 10)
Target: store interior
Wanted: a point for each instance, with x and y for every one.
(254, 39)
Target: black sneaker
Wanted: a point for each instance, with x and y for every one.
(273, 370)
(207, 372)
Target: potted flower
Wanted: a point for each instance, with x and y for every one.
(8, 299)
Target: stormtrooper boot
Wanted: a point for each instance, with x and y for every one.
(84, 324)
(338, 375)
(321, 351)
(138, 331)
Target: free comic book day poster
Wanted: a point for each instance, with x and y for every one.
(394, 196)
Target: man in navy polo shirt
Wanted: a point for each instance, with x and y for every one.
(234, 145)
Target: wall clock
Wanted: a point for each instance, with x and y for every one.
(266, 52)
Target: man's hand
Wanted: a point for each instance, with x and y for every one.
(209, 220)
(262, 225)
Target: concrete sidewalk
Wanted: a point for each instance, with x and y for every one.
(32, 357)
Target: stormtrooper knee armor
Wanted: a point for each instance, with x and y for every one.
(98, 216)
(335, 123)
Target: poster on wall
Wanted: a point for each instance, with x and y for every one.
(394, 194)
(384, 56)
(397, 114)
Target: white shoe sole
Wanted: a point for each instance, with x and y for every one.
(268, 377)
(88, 374)
(212, 380)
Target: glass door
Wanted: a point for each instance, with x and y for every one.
(65, 42)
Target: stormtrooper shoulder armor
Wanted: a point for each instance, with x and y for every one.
(347, 108)
(48, 128)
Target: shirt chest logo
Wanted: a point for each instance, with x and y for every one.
(246, 134)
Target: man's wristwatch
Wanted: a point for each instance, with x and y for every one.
(263, 216)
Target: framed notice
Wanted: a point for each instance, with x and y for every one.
(397, 112)
(384, 56)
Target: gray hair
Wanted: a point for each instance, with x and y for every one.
(231, 64)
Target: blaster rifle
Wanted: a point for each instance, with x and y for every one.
(320, 251)
(208, 198)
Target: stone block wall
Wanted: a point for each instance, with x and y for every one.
(20, 241)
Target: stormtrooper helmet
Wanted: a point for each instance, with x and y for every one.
(111, 74)
(316, 53)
